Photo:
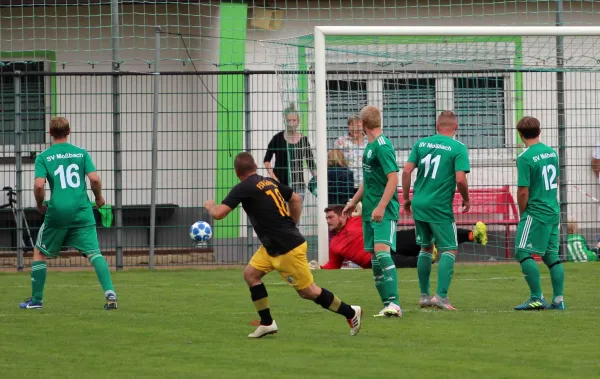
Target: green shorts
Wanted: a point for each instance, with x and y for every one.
(50, 240)
(535, 237)
(443, 234)
(379, 232)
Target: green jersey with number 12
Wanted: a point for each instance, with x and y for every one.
(538, 170)
(65, 167)
(437, 159)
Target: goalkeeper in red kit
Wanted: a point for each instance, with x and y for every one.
(346, 242)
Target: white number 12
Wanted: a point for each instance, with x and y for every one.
(550, 183)
(428, 161)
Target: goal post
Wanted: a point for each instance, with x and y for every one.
(321, 33)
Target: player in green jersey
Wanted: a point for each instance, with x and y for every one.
(380, 209)
(69, 220)
(578, 249)
(442, 165)
(537, 232)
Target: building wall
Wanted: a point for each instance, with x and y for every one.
(188, 121)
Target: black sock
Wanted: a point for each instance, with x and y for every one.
(261, 303)
(332, 303)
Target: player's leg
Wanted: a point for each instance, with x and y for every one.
(447, 243)
(369, 242)
(259, 266)
(557, 271)
(384, 233)
(531, 239)
(48, 244)
(293, 268)
(85, 239)
(424, 238)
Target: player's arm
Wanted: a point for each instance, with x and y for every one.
(409, 167)
(390, 188)
(39, 184)
(96, 187)
(387, 159)
(522, 198)
(462, 167)
(39, 191)
(523, 183)
(295, 205)
(462, 185)
(231, 201)
(94, 178)
(335, 261)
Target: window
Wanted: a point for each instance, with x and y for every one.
(344, 98)
(479, 105)
(408, 110)
(32, 103)
(411, 105)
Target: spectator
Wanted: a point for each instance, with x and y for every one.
(340, 179)
(347, 243)
(291, 149)
(353, 145)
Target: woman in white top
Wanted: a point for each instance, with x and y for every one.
(353, 145)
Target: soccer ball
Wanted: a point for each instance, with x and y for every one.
(200, 231)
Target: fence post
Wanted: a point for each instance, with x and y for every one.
(116, 110)
(248, 138)
(18, 170)
(562, 138)
(154, 146)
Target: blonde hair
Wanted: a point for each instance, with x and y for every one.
(572, 227)
(336, 158)
(371, 117)
(59, 127)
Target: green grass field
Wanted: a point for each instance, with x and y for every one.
(194, 323)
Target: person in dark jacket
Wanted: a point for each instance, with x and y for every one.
(291, 150)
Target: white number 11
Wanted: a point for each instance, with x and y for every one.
(428, 161)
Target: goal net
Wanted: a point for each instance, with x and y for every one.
(489, 81)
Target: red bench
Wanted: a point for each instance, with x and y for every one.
(494, 206)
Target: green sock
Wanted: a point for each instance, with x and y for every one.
(390, 276)
(557, 277)
(102, 271)
(557, 274)
(445, 272)
(38, 279)
(532, 276)
(379, 284)
(424, 271)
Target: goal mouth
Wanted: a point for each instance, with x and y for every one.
(489, 76)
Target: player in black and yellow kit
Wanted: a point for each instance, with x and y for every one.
(274, 210)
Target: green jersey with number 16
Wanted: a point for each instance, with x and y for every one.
(538, 170)
(437, 159)
(65, 167)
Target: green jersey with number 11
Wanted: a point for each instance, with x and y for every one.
(437, 159)
(538, 170)
(65, 167)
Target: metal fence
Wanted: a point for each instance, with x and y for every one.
(192, 129)
(203, 119)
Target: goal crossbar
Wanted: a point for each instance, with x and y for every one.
(320, 32)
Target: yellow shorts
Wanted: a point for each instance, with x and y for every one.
(292, 266)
